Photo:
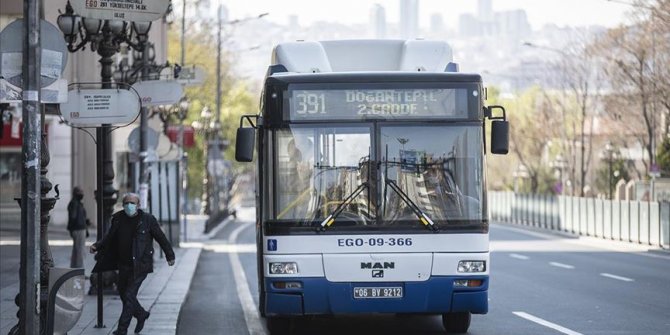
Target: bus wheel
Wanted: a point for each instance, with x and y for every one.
(278, 325)
(457, 323)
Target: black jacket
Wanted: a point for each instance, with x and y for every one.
(143, 246)
(76, 215)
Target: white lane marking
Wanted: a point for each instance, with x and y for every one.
(561, 265)
(589, 242)
(253, 320)
(517, 256)
(609, 275)
(52, 243)
(546, 323)
(237, 248)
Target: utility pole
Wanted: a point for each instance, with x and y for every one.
(144, 171)
(217, 117)
(29, 311)
(180, 135)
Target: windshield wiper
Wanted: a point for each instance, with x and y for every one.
(417, 211)
(423, 218)
(331, 218)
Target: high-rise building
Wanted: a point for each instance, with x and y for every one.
(409, 19)
(485, 10)
(378, 21)
(436, 23)
(486, 17)
(513, 23)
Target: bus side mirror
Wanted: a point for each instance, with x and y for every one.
(244, 145)
(500, 137)
(499, 130)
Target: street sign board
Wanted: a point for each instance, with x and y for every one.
(134, 139)
(159, 92)
(54, 53)
(191, 76)
(95, 107)
(55, 93)
(126, 10)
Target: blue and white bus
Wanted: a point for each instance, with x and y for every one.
(371, 188)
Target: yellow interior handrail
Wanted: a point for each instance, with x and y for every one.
(293, 203)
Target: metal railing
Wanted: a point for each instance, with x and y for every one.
(641, 222)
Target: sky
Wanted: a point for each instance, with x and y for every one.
(540, 12)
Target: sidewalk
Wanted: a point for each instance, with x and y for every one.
(162, 293)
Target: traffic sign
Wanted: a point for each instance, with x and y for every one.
(191, 76)
(95, 107)
(54, 53)
(134, 139)
(134, 11)
(55, 93)
(159, 92)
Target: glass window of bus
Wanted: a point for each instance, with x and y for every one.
(438, 167)
(317, 169)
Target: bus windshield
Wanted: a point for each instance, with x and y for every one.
(388, 171)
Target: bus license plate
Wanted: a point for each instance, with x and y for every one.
(377, 292)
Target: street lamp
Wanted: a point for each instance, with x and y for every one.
(105, 37)
(609, 154)
(521, 172)
(204, 126)
(559, 163)
(108, 34)
(184, 106)
(139, 69)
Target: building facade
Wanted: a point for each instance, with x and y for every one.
(72, 151)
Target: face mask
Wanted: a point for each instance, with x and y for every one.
(79, 196)
(130, 209)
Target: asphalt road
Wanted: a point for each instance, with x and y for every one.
(540, 284)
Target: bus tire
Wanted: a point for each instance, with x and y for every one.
(279, 325)
(457, 322)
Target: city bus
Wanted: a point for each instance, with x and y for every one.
(371, 183)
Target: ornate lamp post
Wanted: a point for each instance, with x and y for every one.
(105, 37)
(609, 154)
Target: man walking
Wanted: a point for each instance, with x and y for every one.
(128, 247)
(76, 225)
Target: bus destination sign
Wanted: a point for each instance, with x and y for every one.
(359, 104)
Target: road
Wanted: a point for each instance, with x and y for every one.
(540, 284)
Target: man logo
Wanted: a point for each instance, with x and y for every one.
(272, 245)
(377, 273)
(378, 265)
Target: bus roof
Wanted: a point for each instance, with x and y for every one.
(283, 78)
(364, 56)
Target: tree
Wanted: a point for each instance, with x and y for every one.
(663, 157)
(530, 138)
(200, 47)
(579, 77)
(637, 58)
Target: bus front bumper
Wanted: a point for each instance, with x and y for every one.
(318, 296)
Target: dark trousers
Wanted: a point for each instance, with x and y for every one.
(129, 285)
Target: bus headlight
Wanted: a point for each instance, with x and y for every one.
(472, 266)
(283, 268)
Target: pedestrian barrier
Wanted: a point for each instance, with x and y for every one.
(642, 222)
(66, 299)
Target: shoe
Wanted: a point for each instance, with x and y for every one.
(119, 332)
(140, 323)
